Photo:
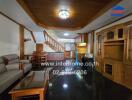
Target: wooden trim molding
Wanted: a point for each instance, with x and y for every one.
(92, 43)
(33, 37)
(54, 28)
(21, 38)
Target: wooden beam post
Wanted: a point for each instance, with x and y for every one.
(21, 34)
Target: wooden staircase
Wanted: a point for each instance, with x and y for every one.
(53, 43)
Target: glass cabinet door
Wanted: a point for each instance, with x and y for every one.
(99, 44)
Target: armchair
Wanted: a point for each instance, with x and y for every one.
(13, 60)
(8, 75)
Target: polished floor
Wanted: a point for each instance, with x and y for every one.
(91, 86)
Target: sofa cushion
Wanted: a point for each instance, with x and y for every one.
(8, 78)
(2, 66)
(13, 61)
(12, 66)
(12, 58)
(27, 67)
(1, 60)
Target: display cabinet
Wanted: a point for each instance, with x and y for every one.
(129, 44)
(113, 70)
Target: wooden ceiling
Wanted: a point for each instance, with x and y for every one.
(82, 12)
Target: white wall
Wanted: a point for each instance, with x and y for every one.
(29, 46)
(9, 36)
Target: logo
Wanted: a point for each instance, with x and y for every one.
(117, 11)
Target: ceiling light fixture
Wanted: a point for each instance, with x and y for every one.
(66, 34)
(64, 14)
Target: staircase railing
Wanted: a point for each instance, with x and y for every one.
(53, 43)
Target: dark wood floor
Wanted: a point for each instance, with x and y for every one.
(89, 87)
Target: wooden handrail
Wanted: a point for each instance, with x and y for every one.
(53, 43)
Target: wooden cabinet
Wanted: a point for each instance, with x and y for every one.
(39, 55)
(99, 65)
(114, 53)
(113, 70)
(99, 44)
(128, 76)
(128, 53)
(67, 54)
(114, 50)
(129, 44)
(99, 51)
(39, 48)
(110, 35)
(120, 32)
(115, 33)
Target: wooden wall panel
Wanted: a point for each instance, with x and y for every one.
(86, 38)
(128, 76)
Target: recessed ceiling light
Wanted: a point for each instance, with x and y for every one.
(64, 14)
(66, 34)
(65, 86)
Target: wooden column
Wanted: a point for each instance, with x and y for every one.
(86, 38)
(21, 34)
(92, 43)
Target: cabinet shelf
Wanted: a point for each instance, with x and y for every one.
(118, 40)
(112, 44)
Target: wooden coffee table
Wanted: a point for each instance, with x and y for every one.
(35, 83)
